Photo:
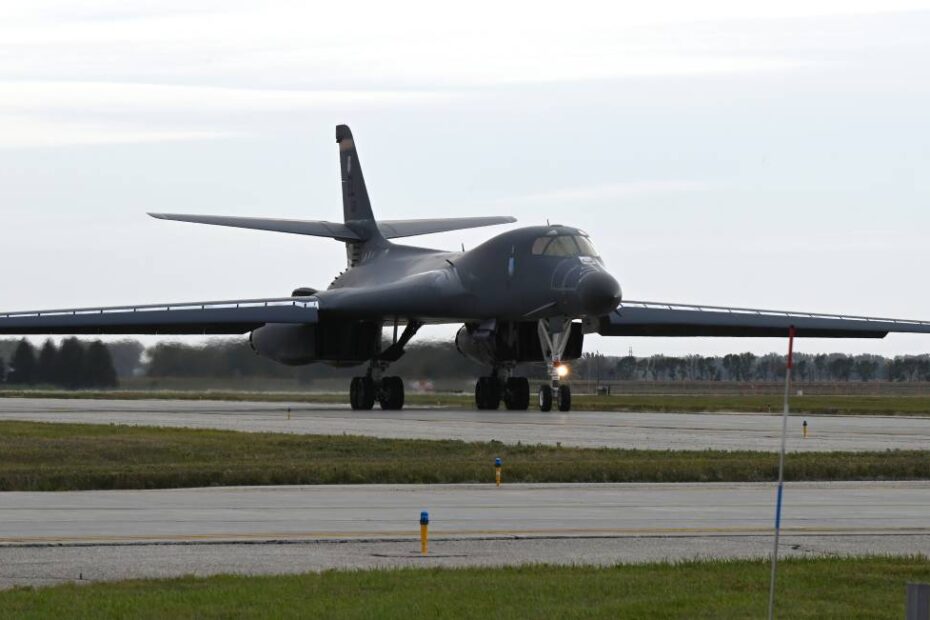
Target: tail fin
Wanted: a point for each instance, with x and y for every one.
(359, 230)
(355, 203)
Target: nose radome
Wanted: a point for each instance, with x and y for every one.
(599, 293)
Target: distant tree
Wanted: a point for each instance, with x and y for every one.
(866, 368)
(23, 364)
(820, 363)
(731, 365)
(70, 371)
(127, 357)
(841, 367)
(47, 366)
(2, 370)
(746, 361)
(98, 367)
(626, 368)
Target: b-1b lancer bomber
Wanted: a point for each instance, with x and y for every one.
(526, 295)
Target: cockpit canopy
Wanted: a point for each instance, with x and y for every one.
(554, 244)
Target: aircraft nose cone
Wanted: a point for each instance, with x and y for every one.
(599, 293)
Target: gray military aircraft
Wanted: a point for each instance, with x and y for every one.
(526, 295)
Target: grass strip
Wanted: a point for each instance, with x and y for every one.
(872, 587)
(38, 456)
(654, 403)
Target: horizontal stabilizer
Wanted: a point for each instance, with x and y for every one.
(297, 227)
(392, 229)
(389, 228)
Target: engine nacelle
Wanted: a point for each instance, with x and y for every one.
(511, 342)
(336, 342)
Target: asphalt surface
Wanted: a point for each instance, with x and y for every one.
(673, 431)
(92, 535)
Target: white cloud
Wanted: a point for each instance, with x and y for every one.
(39, 114)
(602, 192)
(103, 96)
(64, 69)
(25, 132)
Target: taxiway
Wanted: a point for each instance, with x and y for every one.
(46, 537)
(661, 431)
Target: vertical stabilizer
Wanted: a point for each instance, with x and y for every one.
(356, 208)
(355, 204)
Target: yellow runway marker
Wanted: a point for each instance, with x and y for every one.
(424, 532)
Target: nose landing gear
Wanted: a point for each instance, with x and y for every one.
(553, 338)
(561, 396)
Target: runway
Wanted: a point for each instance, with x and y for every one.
(46, 537)
(663, 431)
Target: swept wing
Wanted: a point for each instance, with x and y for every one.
(209, 317)
(649, 318)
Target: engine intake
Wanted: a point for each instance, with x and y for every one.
(336, 342)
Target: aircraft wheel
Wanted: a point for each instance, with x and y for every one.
(391, 395)
(487, 393)
(545, 398)
(565, 398)
(517, 394)
(362, 393)
(353, 392)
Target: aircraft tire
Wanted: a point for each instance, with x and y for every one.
(362, 393)
(391, 395)
(479, 393)
(517, 394)
(545, 398)
(487, 393)
(565, 398)
(353, 393)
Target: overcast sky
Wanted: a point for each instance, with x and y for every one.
(770, 155)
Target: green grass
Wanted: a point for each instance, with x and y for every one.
(821, 588)
(822, 404)
(51, 457)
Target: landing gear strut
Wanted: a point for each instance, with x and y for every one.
(553, 338)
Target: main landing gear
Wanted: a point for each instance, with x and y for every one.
(374, 386)
(553, 338)
(388, 391)
(513, 391)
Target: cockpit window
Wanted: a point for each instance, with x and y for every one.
(540, 244)
(563, 245)
(585, 245)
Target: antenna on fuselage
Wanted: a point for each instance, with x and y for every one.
(547, 222)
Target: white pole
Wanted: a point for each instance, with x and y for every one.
(781, 472)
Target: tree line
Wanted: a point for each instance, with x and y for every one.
(823, 367)
(73, 365)
(76, 364)
(230, 358)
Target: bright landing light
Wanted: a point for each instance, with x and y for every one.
(562, 369)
